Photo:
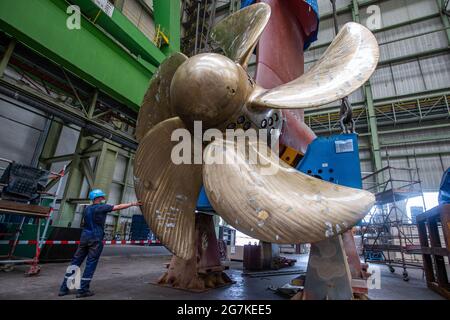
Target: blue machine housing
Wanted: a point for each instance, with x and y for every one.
(334, 159)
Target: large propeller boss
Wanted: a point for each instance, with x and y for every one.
(209, 88)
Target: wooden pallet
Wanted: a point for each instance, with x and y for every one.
(24, 209)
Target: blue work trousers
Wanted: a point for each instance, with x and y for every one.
(92, 249)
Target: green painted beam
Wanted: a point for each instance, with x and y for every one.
(128, 170)
(51, 143)
(87, 52)
(104, 170)
(124, 31)
(167, 14)
(373, 126)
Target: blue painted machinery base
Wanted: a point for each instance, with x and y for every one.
(334, 159)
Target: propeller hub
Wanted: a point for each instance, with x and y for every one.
(209, 88)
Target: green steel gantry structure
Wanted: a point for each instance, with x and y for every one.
(109, 53)
(120, 64)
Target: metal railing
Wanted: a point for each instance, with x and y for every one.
(412, 110)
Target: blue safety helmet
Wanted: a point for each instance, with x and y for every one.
(96, 193)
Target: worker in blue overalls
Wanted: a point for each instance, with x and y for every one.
(91, 241)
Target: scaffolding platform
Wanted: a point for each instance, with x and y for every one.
(393, 195)
(389, 235)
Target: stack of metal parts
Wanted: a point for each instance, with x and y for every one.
(23, 183)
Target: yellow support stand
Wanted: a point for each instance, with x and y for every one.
(160, 38)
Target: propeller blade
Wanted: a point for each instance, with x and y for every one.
(156, 106)
(345, 66)
(285, 206)
(239, 33)
(169, 192)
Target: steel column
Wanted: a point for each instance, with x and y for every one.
(41, 143)
(373, 127)
(167, 14)
(104, 169)
(375, 143)
(444, 19)
(128, 169)
(104, 173)
(50, 144)
(73, 185)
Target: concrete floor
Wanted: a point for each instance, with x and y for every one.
(126, 272)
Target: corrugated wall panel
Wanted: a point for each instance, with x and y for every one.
(399, 175)
(134, 11)
(325, 5)
(397, 11)
(382, 83)
(408, 78)
(326, 29)
(433, 147)
(414, 135)
(417, 44)
(382, 37)
(311, 55)
(392, 12)
(445, 159)
(149, 3)
(432, 157)
(420, 8)
(436, 71)
(357, 96)
(430, 171)
(19, 130)
(67, 141)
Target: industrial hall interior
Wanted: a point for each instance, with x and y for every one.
(224, 150)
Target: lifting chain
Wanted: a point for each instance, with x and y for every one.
(346, 120)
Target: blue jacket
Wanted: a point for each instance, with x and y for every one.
(94, 221)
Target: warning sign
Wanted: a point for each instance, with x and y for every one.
(105, 6)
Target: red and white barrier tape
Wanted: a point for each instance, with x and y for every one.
(53, 242)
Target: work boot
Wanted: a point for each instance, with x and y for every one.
(63, 293)
(85, 294)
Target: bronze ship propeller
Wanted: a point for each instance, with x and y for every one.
(286, 207)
